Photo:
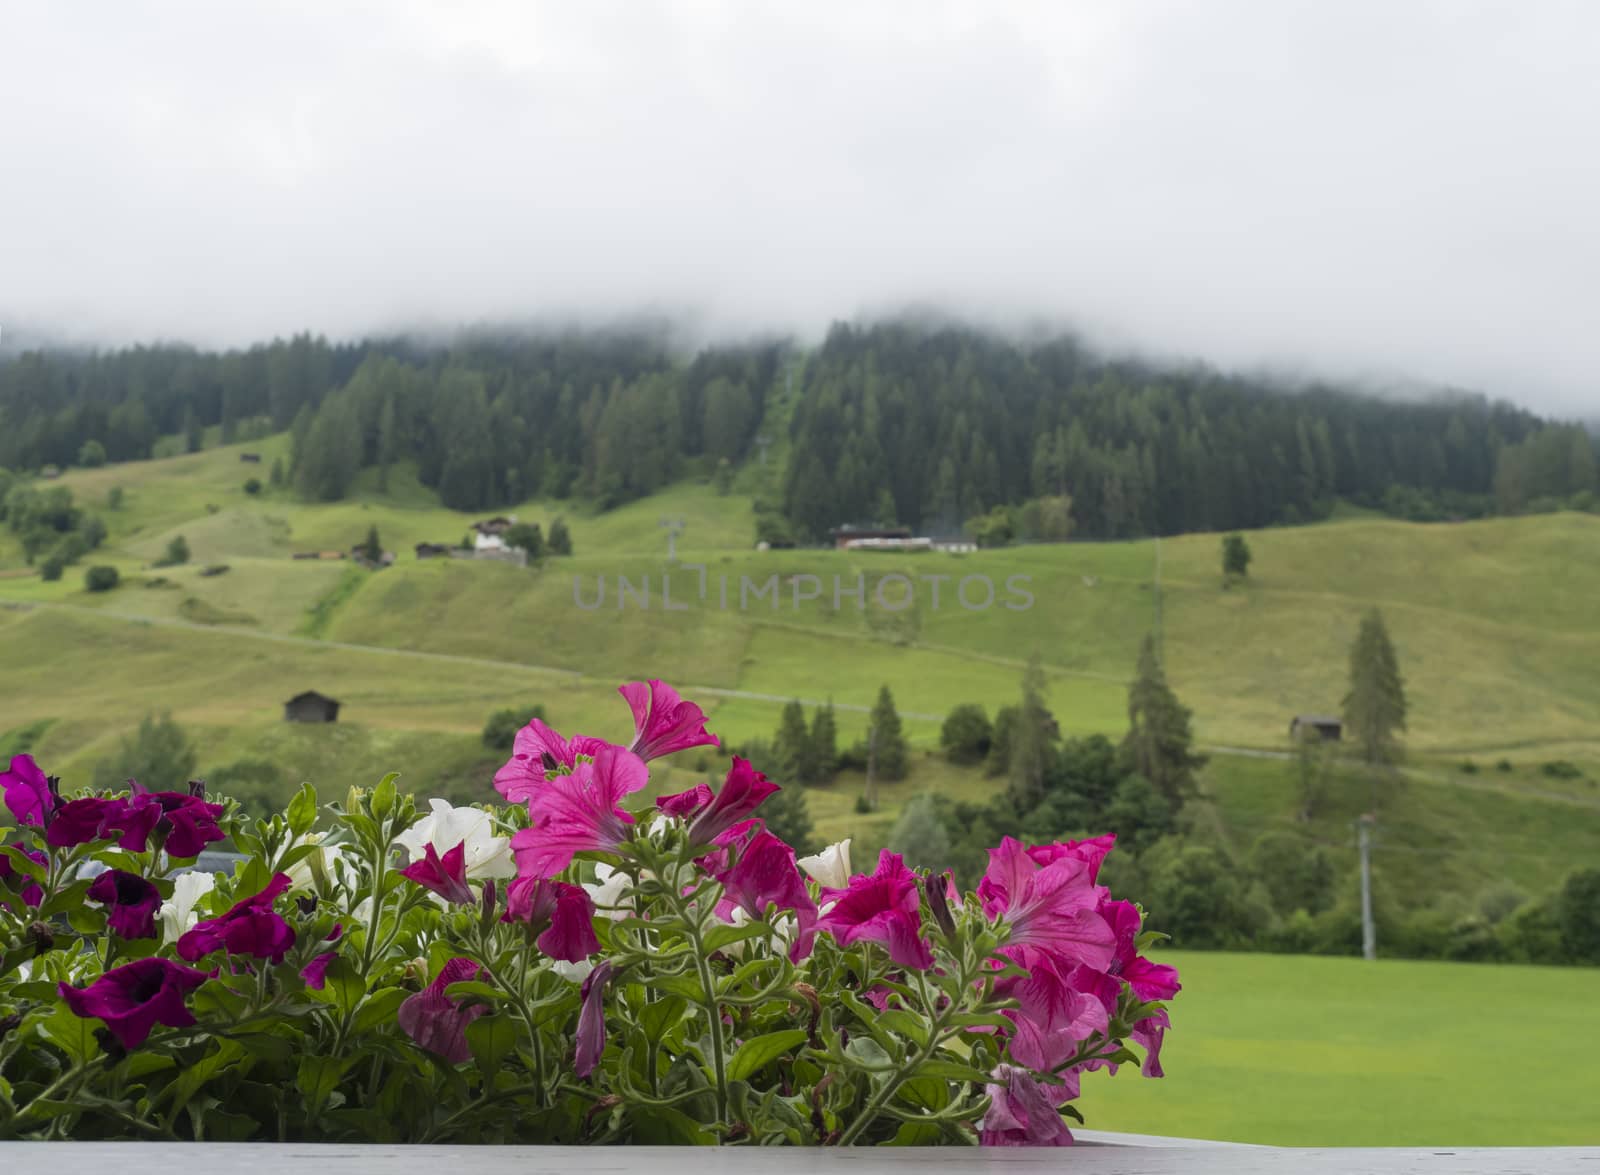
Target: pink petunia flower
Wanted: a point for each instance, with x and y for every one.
(562, 913)
(315, 973)
(537, 754)
(663, 722)
(743, 791)
(437, 1022)
(1092, 851)
(591, 1036)
(1150, 981)
(445, 876)
(28, 792)
(250, 927)
(764, 874)
(131, 903)
(883, 908)
(134, 998)
(1021, 1112)
(1051, 909)
(578, 812)
(1052, 1019)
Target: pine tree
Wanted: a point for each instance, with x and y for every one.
(824, 743)
(1159, 743)
(1375, 707)
(373, 547)
(1235, 557)
(388, 442)
(920, 837)
(1030, 749)
(890, 753)
(792, 745)
(789, 818)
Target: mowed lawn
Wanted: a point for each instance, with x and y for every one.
(1292, 1050)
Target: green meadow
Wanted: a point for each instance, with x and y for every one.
(1290, 1050)
(1494, 623)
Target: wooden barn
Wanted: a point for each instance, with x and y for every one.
(1323, 726)
(311, 707)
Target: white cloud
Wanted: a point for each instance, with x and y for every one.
(1364, 187)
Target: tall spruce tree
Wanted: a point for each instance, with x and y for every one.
(1375, 707)
(824, 743)
(792, 746)
(1030, 743)
(890, 753)
(1159, 742)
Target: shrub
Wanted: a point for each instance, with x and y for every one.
(101, 578)
(1578, 915)
(1561, 769)
(177, 553)
(50, 570)
(252, 486)
(967, 734)
(500, 731)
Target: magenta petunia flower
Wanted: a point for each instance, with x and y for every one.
(1092, 851)
(578, 812)
(28, 792)
(591, 1042)
(250, 927)
(562, 914)
(134, 998)
(1150, 981)
(662, 721)
(1021, 1112)
(13, 879)
(315, 973)
(131, 903)
(445, 876)
(184, 819)
(743, 791)
(686, 805)
(764, 874)
(1051, 909)
(1150, 1033)
(437, 1022)
(883, 908)
(80, 821)
(537, 754)
(1051, 1020)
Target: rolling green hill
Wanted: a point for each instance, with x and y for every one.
(1494, 621)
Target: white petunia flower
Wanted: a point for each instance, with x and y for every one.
(178, 915)
(831, 867)
(487, 855)
(606, 891)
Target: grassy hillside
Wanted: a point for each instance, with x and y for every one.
(1494, 623)
(1339, 1052)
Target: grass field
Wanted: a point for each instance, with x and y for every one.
(1339, 1052)
(1494, 623)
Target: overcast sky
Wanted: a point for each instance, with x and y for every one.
(1404, 190)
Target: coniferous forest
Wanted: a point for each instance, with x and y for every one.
(900, 422)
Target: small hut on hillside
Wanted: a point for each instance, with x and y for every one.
(1324, 726)
(311, 707)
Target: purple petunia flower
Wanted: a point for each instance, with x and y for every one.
(315, 973)
(437, 1022)
(131, 903)
(28, 792)
(29, 890)
(134, 998)
(592, 1020)
(662, 721)
(186, 821)
(1021, 1112)
(251, 927)
(80, 821)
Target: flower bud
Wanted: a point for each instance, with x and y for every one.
(9, 1024)
(937, 886)
(307, 905)
(197, 788)
(42, 938)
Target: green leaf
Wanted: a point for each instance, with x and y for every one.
(926, 1093)
(383, 796)
(474, 987)
(658, 1016)
(758, 1052)
(318, 1077)
(302, 811)
(723, 935)
(191, 1080)
(67, 900)
(379, 1009)
(491, 1038)
(343, 987)
(70, 1033)
(907, 1024)
(665, 1126)
(951, 1071)
(916, 1134)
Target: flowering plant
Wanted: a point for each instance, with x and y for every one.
(562, 967)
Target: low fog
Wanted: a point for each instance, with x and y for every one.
(1404, 192)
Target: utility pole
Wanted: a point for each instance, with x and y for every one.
(1369, 932)
(872, 767)
(672, 527)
